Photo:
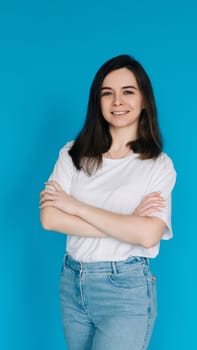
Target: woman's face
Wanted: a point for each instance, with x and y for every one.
(121, 100)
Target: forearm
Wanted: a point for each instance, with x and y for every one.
(63, 213)
(53, 219)
(145, 231)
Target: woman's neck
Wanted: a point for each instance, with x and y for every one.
(120, 138)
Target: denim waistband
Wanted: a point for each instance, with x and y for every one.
(104, 266)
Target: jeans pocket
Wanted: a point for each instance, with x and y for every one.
(130, 278)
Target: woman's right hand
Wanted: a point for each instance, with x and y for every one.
(151, 203)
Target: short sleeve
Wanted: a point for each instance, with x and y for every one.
(162, 180)
(63, 169)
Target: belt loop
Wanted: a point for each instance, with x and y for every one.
(114, 267)
(64, 259)
(81, 268)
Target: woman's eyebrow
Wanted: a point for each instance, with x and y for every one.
(129, 87)
(106, 87)
(124, 87)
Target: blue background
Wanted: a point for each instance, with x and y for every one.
(49, 53)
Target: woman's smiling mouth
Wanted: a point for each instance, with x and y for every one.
(119, 113)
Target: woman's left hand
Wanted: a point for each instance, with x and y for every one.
(54, 196)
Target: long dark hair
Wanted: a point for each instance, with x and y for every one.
(95, 138)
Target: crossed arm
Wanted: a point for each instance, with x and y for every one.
(62, 213)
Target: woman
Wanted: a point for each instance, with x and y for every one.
(110, 191)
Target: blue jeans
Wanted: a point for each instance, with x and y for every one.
(107, 305)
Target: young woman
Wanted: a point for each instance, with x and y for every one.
(110, 191)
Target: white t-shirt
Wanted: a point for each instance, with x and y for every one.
(119, 186)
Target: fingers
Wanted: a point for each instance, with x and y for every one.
(47, 204)
(147, 211)
(150, 203)
(153, 199)
(155, 196)
(54, 196)
(47, 190)
(54, 184)
(47, 200)
(49, 194)
(47, 197)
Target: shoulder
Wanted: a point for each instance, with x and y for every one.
(162, 174)
(164, 169)
(64, 156)
(67, 146)
(163, 161)
(65, 149)
(63, 170)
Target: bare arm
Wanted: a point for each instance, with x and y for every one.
(54, 219)
(142, 230)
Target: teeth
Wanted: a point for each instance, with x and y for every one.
(119, 113)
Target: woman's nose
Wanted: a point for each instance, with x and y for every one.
(117, 100)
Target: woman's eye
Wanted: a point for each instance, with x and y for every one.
(106, 93)
(128, 92)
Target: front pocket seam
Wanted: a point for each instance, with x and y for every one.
(125, 285)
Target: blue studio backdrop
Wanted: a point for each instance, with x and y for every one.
(49, 53)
